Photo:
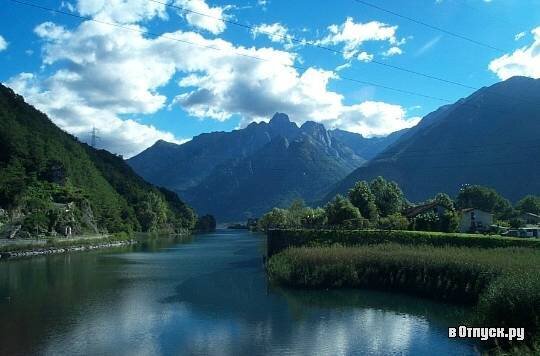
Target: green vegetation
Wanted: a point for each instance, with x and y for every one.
(483, 198)
(504, 283)
(380, 204)
(50, 182)
(279, 240)
(206, 223)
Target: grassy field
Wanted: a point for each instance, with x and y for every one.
(503, 283)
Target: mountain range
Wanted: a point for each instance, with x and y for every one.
(243, 173)
(490, 138)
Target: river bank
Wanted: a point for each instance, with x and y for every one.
(41, 247)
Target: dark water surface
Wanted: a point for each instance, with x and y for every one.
(208, 296)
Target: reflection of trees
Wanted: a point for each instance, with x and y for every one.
(42, 294)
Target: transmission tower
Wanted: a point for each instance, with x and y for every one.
(94, 136)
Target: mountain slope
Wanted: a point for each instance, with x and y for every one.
(180, 167)
(245, 172)
(281, 171)
(490, 138)
(42, 168)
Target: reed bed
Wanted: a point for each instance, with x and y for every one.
(503, 283)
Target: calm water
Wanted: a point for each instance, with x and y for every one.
(208, 296)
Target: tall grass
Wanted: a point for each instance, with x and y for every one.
(504, 283)
(279, 240)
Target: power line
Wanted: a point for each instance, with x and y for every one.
(313, 44)
(302, 68)
(433, 27)
(333, 50)
(87, 18)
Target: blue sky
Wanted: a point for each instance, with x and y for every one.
(137, 88)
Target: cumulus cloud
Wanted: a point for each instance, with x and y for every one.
(276, 32)
(524, 61)
(102, 76)
(212, 22)
(3, 44)
(121, 11)
(353, 35)
(365, 57)
(223, 84)
(393, 51)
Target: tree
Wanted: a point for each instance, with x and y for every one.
(295, 212)
(314, 218)
(394, 221)
(276, 218)
(483, 198)
(529, 204)
(444, 200)
(389, 198)
(340, 209)
(206, 223)
(362, 197)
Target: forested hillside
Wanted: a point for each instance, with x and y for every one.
(50, 180)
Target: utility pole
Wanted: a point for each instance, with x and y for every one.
(94, 136)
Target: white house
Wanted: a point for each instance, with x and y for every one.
(475, 220)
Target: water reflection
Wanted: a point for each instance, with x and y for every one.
(209, 296)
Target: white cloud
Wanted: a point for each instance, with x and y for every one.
(223, 85)
(519, 36)
(373, 118)
(3, 44)
(524, 61)
(121, 11)
(353, 35)
(393, 51)
(276, 32)
(212, 23)
(105, 77)
(365, 57)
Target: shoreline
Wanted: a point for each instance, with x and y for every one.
(76, 247)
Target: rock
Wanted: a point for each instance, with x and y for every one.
(14, 232)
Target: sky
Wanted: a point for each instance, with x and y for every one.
(144, 70)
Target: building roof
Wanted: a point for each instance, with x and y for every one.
(467, 210)
(532, 215)
(420, 209)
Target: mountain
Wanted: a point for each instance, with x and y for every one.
(367, 148)
(49, 180)
(234, 175)
(490, 138)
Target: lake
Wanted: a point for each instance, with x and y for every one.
(206, 296)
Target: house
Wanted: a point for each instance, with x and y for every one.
(530, 231)
(530, 218)
(472, 220)
(433, 207)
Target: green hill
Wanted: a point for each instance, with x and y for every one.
(50, 180)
